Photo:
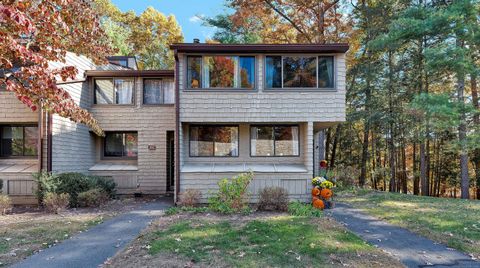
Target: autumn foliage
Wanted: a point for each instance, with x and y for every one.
(34, 33)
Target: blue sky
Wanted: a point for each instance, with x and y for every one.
(186, 12)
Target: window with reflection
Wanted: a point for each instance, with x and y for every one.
(274, 141)
(18, 141)
(299, 72)
(121, 145)
(158, 91)
(213, 141)
(221, 72)
(114, 90)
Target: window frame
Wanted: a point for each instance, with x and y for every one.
(134, 95)
(334, 88)
(223, 89)
(163, 95)
(274, 147)
(104, 146)
(214, 126)
(23, 126)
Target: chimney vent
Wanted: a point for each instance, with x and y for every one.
(196, 41)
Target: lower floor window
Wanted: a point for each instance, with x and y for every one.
(214, 141)
(121, 145)
(18, 141)
(274, 141)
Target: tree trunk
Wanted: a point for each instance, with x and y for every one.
(416, 180)
(327, 143)
(391, 143)
(334, 146)
(476, 120)
(462, 138)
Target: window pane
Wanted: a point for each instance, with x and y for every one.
(299, 72)
(262, 141)
(226, 141)
(104, 92)
(131, 145)
(201, 141)
(194, 71)
(169, 91)
(31, 141)
(274, 72)
(286, 141)
(219, 72)
(124, 90)
(12, 141)
(325, 72)
(247, 72)
(152, 91)
(113, 144)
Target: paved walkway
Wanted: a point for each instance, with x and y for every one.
(93, 247)
(411, 249)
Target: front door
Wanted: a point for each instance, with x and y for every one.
(170, 160)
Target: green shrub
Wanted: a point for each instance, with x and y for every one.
(56, 203)
(5, 203)
(190, 197)
(93, 198)
(72, 183)
(273, 199)
(232, 194)
(303, 210)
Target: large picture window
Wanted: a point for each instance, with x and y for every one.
(213, 141)
(299, 72)
(221, 72)
(114, 91)
(18, 141)
(158, 91)
(274, 141)
(121, 145)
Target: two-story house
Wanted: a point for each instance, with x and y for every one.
(225, 109)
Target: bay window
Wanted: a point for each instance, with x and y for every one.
(18, 141)
(213, 141)
(299, 72)
(274, 141)
(158, 91)
(114, 91)
(221, 72)
(121, 145)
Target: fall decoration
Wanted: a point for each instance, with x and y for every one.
(323, 164)
(326, 193)
(317, 181)
(318, 204)
(315, 191)
(326, 185)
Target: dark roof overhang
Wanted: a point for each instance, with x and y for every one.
(259, 48)
(130, 73)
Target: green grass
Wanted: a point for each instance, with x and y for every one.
(454, 222)
(285, 241)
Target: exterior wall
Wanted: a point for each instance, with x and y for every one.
(152, 123)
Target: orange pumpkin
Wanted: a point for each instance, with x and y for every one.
(326, 193)
(315, 198)
(315, 191)
(318, 204)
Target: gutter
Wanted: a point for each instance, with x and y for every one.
(177, 129)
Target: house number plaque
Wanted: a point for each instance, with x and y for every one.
(152, 147)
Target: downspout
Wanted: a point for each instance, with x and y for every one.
(177, 129)
(40, 140)
(49, 142)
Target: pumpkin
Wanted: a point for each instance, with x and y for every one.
(316, 191)
(318, 204)
(326, 193)
(315, 198)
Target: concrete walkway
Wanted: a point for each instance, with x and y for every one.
(95, 246)
(411, 249)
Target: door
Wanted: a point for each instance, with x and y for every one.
(170, 160)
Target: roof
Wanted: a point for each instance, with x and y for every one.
(260, 48)
(130, 73)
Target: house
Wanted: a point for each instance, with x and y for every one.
(225, 109)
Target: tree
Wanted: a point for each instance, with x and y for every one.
(147, 36)
(227, 32)
(34, 33)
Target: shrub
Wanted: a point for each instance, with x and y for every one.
(104, 183)
(56, 202)
(303, 210)
(232, 194)
(273, 198)
(46, 183)
(346, 176)
(5, 203)
(190, 197)
(93, 198)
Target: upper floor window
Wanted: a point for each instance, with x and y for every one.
(18, 141)
(158, 91)
(221, 72)
(299, 72)
(121, 145)
(114, 90)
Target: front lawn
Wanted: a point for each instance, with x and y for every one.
(454, 222)
(256, 240)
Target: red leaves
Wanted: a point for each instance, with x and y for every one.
(31, 35)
